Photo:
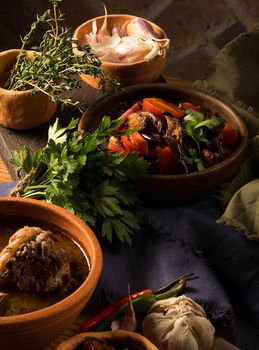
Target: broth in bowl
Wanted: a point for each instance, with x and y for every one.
(39, 266)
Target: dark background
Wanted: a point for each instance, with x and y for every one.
(198, 29)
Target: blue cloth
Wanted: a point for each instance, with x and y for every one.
(182, 239)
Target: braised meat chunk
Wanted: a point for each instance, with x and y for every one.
(33, 262)
(94, 344)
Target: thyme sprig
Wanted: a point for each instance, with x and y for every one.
(54, 68)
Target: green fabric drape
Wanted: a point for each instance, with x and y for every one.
(234, 77)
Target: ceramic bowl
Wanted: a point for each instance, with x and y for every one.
(183, 187)
(126, 73)
(36, 329)
(127, 339)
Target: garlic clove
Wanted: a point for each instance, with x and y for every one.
(133, 50)
(140, 28)
(153, 52)
(103, 31)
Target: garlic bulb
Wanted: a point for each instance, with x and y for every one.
(135, 40)
(178, 323)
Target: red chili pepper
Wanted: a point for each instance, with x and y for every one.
(113, 308)
(159, 106)
(141, 304)
(109, 310)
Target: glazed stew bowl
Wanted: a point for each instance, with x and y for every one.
(36, 329)
(183, 187)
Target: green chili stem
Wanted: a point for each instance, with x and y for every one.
(171, 284)
(171, 292)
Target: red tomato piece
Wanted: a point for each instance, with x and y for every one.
(230, 135)
(166, 161)
(134, 108)
(159, 106)
(135, 143)
(117, 148)
(189, 105)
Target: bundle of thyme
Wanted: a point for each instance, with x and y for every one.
(54, 67)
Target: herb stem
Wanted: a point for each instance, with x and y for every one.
(55, 67)
(33, 194)
(56, 22)
(33, 187)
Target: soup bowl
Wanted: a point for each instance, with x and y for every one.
(129, 340)
(184, 187)
(36, 329)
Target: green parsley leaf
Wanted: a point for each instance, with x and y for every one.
(81, 175)
(196, 126)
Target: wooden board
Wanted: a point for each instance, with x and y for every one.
(4, 174)
(12, 140)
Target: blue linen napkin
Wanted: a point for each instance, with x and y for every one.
(181, 239)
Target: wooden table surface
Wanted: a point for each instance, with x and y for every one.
(4, 174)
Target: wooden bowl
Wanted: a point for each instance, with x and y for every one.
(126, 73)
(183, 187)
(131, 340)
(36, 329)
(21, 110)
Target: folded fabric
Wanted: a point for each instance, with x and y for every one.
(156, 258)
(5, 188)
(233, 76)
(231, 257)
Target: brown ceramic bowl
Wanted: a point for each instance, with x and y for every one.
(126, 73)
(130, 340)
(36, 329)
(183, 187)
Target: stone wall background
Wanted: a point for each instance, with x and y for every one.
(198, 29)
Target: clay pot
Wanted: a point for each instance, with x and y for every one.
(180, 188)
(37, 329)
(126, 73)
(131, 340)
(21, 109)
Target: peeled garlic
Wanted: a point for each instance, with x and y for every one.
(178, 323)
(136, 40)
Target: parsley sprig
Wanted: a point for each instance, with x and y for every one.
(196, 126)
(75, 171)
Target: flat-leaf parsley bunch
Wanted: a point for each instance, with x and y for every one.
(77, 172)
